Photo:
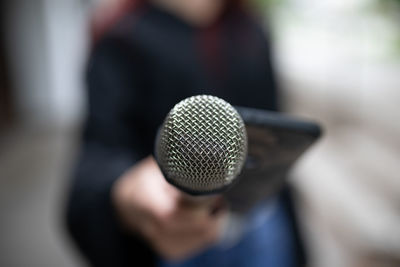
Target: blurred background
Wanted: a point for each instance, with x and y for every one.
(338, 63)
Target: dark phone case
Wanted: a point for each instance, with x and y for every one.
(275, 142)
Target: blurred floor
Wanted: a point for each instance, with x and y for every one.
(33, 169)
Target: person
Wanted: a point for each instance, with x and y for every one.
(120, 210)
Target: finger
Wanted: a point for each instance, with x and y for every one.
(181, 246)
(195, 226)
(178, 247)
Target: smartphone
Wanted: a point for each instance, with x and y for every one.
(275, 142)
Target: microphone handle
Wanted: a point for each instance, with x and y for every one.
(215, 203)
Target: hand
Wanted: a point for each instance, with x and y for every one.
(175, 227)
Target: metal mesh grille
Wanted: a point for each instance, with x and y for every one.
(202, 144)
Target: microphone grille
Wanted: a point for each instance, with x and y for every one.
(202, 145)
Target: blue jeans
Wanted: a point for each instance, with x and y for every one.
(268, 240)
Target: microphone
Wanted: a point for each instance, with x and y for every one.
(201, 146)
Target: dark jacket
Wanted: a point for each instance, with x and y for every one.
(147, 63)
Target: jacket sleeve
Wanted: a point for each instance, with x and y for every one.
(116, 136)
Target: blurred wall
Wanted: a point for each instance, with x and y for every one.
(46, 43)
(340, 64)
